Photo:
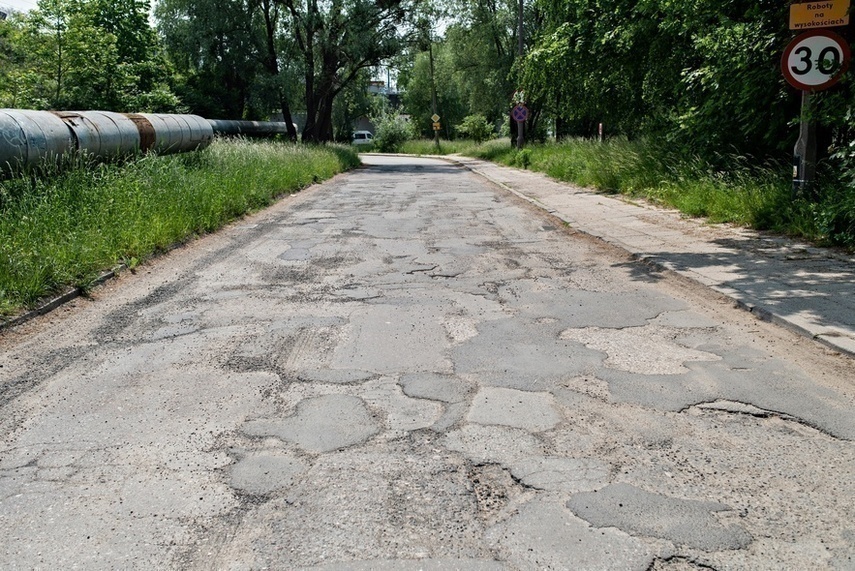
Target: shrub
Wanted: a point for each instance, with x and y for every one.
(476, 127)
(391, 132)
(522, 158)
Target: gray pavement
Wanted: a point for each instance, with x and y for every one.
(804, 288)
(407, 367)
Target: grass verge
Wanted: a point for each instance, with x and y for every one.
(428, 147)
(65, 229)
(740, 192)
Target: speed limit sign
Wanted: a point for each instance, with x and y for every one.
(815, 60)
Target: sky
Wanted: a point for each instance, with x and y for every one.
(19, 5)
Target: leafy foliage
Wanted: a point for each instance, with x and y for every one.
(215, 46)
(392, 131)
(353, 102)
(335, 41)
(472, 66)
(700, 75)
(476, 127)
(85, 54)
(417, 97)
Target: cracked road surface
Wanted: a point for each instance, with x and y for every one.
(406, 368)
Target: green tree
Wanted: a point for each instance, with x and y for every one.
(234, 56)
(337, 40)
(476, 127)
(392, 129)
(704, 76)
(214, 46)
(70, 54)
(415, 81)
(54, 38)
(271, 13)
(484, 42)
(13, 71)
(144, 74)
(353, 102)
(474, 63)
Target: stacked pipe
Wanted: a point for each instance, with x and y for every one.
(28, 138)
(248, 128)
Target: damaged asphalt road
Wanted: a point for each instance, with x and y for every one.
(407, 368)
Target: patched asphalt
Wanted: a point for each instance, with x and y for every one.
(409, 368)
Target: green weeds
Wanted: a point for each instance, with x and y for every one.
(734, 190)
(67, 228)
(428, 147)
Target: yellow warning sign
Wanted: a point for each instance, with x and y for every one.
(823, 14)
(437, 127)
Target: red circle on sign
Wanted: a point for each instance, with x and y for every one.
(802, 68)
(520, 113)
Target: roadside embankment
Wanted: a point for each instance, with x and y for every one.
(64, 230)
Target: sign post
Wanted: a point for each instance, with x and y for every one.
(437, 126)
(804, 153)
(812, 61)
(519, 114)
(433, 96)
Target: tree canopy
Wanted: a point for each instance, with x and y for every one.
(704, 77)
(243, 58)
(701, 76)
(84, 54)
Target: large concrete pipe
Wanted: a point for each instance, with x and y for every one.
(248, 128)
(28, 138)
(102, 134)
(173, 133)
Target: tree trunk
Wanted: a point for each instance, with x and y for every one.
(319, 127)
(310, 130)
(272, 65)
(325, 122)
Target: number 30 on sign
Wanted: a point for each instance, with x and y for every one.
(815, 60)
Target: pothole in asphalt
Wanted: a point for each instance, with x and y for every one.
(495, 491)
(638, 512)
(590, 386)
(644, 350)
(262, 473)
(321, 424)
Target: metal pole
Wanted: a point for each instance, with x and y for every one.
(520, 48)
(433, 91)
(804, 153)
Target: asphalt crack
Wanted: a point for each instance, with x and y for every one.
(748, 409)
(420, 271)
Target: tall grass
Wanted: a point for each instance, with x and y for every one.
(64, 229)
(734, 190)
(429, 147)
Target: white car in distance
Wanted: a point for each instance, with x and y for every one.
(362, 138)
